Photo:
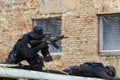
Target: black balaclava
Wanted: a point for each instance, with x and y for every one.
(110, 70)
(37, 33)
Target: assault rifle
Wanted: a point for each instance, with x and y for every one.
(48, 39)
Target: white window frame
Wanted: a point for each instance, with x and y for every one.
(101, 36)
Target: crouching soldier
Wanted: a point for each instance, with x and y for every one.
(23, 51)
(93, 69)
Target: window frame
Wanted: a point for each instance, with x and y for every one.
(101, 33)
(53, 53)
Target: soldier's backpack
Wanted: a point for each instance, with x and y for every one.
(86, 68)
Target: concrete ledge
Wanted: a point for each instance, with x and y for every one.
(28, 74)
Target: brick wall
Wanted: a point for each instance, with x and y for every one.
(79, 23)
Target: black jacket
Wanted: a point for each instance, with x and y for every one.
(31, 52)
(90, 69)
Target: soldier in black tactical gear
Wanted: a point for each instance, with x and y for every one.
(93, 69)
(23, 51)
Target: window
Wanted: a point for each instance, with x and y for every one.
(110, 32)
(53, 26)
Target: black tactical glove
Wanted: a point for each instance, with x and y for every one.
(48, 58)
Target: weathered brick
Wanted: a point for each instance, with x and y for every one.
(79, 23)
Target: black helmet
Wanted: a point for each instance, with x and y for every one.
(37, 33)
(37, 28)
(110, 70)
